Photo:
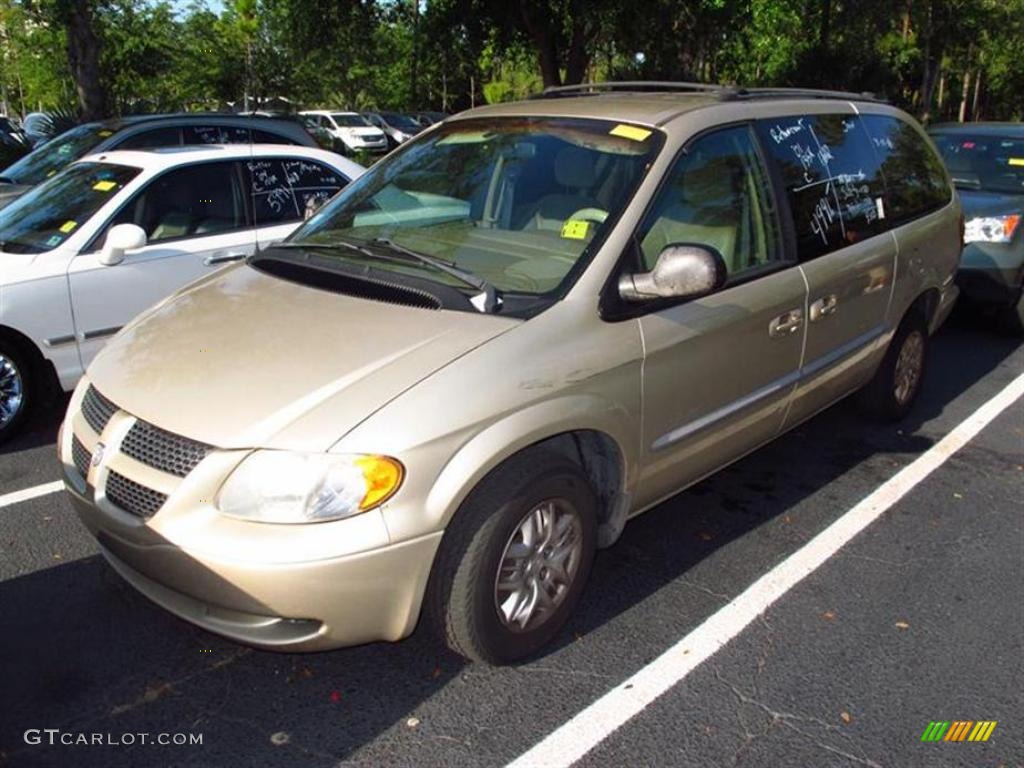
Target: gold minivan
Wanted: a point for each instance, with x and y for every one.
(468, 370)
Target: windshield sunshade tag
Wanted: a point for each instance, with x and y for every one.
(574, 229)
(630, 132)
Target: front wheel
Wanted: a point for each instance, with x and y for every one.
(514, 561)
(890, 395)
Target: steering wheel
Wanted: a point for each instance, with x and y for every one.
(589, 214)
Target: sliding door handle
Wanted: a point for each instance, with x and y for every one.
(824, 307)
(786, 324)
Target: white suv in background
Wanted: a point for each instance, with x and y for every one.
(113, 233)
(351, 129)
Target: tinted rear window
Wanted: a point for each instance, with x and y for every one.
(913, 172)
(831, 175)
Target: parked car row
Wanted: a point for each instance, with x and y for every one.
(375, 132)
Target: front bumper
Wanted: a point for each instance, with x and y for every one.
(307, 606)
(992, 273)
(279, 587)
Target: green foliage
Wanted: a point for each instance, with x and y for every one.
(453, 54)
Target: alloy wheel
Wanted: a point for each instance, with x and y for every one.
(538, 566)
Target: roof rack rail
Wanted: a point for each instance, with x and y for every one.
(722, 92)
(555, 91)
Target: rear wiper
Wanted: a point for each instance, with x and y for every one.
(487, 302)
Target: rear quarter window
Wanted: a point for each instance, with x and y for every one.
(832, 179)
(913, 173)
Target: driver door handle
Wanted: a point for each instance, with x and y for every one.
(786, 324)
(222, 258)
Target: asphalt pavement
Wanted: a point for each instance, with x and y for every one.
(919, 618)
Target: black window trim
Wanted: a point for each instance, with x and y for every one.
(91, 247)
(611, 306)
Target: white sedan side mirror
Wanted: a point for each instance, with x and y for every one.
(121, 238)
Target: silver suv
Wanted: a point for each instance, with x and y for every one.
(465, 373)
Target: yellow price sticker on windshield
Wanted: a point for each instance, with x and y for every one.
(1017, 161)
(575, 229)
(105, 133)
(630, 132)
(104, 186)
(68, 226)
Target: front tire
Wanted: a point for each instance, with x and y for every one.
(514, 561)
(890, 395)
(16, 389)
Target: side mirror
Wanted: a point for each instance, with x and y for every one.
(683, 270)
(121, 238)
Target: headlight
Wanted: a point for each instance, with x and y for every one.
(991, 229)
(286, 487)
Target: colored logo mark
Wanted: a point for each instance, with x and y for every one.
(959, 730)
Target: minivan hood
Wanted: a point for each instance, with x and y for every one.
(243, 359)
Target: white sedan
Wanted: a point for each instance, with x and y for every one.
(110, 235)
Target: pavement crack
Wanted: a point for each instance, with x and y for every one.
(787, 720)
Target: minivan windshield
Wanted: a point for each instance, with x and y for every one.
(48, 214)
(518, 202)
(986, 163)
(49, 158)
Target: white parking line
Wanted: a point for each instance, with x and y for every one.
(30, 493)
(599, 720)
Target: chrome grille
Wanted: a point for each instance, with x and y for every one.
(133, 498)
(96, 409)
(163, 450)
(80, 456)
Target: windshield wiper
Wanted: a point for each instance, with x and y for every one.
(487, 301)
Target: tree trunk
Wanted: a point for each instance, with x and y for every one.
(825, 30)
(965, 91)
(941, 98)
(976, 103)
(578, 57)
(84, 60)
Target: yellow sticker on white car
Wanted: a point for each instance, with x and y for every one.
(68, 226)
(630, 132)
(574, 229)
(104, 186)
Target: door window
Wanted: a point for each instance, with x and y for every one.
(718, 196)
(284, 190)
(187, 202)
(914, 173)
(831, 174)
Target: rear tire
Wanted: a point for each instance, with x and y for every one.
(497, 592)
(16, 389)
(890, 395)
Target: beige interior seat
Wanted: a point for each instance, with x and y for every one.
(575, 173)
